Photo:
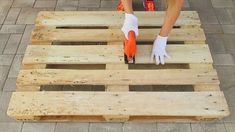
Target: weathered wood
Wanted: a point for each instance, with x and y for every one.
(45, 35)
(102, 54)
(109, 18)
(117, 77)
(114, 104)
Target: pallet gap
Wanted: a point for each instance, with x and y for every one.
(161, 88)
(153, 66)
(77, 66)
(83, 27)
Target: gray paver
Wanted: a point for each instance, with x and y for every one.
(38, 127)
(16, 65)
(28, 15)
(223, 59)
(12, 44)
(5, 98)
(3, 41)
(5, 60)
(25, 39)
(226, 76)
(230, 127)
(12, 29)
(3, 75)
(12, 16)
(223, 16)
(173, 127)
(45, 3)
(216, 43)
(208, 127)
(67, 5)
(89, 3)
(229, 94)
(222, 3)
(212, 28)
(105, 127)
(72, 127)
(10, 85)
(23, 3)
(229, 40)
(10, 127)
(139, 127)
(229, 28)
(231, 117)
(4, 7)
(109, 3)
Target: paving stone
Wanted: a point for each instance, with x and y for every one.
(45, 3)
(212, 28)
(230, 96)
(109, 3)
(226, 76)
(72, 127)
(231, 12)
(28, 15)
(5, 60)
(38, 127)
(173, 127)
(25, 39)
(231, 117)
(105, 127)
(3, 41)
(229, 40)
(222, 3)
(3, 75)
(223, 59)
(4, 7)
(139, 127)
(229, 28)
(12, 29)
(10, 85)
(216, 43)
(4, 102)
(223, 16)
(10, 127)
(23, 3)
(205, 10)
(67, 5)
(89, 3)
(12, 44)
(230, 127)
(208, 127)
(15, 67)
(12, 16)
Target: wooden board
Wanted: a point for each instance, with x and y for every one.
(111, 104)
(117, 77)
(46, 35)
(103, 54)
(109, 18)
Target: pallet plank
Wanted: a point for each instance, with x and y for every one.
(102, 54)
(122, 104)
(46, 35)
(109, 18)
(117, 77)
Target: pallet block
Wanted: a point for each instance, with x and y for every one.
(85, 48)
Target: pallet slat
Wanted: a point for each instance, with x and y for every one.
(103, 54)
(117, 77)
(46, 35)
(109, 18)
(28, 104)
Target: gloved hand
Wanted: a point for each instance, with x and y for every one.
(159, 50)
(130, 23)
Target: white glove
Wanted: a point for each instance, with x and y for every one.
(130, 23)
(159, 50)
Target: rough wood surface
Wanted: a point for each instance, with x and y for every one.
(102, 54)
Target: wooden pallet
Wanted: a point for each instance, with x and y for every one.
(85, 48)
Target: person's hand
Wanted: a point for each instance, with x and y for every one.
(130, 24)
(159, 50)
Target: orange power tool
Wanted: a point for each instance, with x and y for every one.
(130, 47)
